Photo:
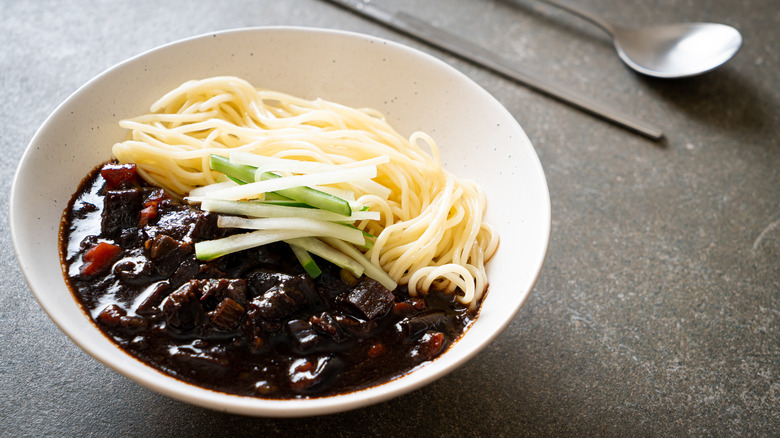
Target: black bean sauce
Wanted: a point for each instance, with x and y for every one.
(250, 323)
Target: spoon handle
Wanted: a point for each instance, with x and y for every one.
(583, 13)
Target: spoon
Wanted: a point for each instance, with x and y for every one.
(667, 51)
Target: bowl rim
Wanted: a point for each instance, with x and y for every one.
(246, 405)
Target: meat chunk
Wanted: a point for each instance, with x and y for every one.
(111, 315)
(284, 298)
(228, 315)
(278, 302)
(182, 309)
(218, 289)
(261, 280)
(354, 326)
(116, 317)
(330, 286)
(168, 254)
(163, 245)
(188, 307)
(121, 210)
(201, 361)
(371, 298)
(152, 297)
(187, 269)
(303, 335)
(327, 325)
(412, 327)
(185, 225)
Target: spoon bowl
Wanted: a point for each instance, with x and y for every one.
(677, 50)
(666, 51)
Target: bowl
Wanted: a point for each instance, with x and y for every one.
(478, 138)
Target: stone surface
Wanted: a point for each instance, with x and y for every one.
(658, 308)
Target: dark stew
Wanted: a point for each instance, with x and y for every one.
(250, 323)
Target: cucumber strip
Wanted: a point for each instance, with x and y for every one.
(282, 202)
(307, 261)
(346, 195)
(369, 238)
(211, 249)
(235, 180)
(287, 203)
(253, 190)
(313, 226)
(366, 234)
(339, 193)
(238, 172)
(277, 199)
(366, 246)
(315, 198)
(371, 270)
(273, 196)
(338, 258)
(260, 209)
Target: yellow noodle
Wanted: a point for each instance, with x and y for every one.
(431, 232)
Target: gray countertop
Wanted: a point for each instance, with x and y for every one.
(658, 308)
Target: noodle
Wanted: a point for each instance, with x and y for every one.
(431, 233)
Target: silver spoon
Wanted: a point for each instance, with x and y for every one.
(667, 51)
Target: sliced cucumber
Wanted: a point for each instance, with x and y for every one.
(310, 196)
(239, 173)
(260, 209)
(313, 226)
(370, 269)
(307, 261)
(211, 249)
(338, 258)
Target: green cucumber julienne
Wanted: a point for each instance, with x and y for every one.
(301, 243)
(242, 173)
(307, 261)
(313, 197)
(239, 173)
(327, 252)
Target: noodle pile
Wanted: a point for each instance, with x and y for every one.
(430, 235)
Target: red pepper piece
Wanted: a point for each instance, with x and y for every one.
(305, 367)
(430, 345)
(148, 213)
(376, 350)
(116, 174)
(99, 257)
(402, 308)
(418, 303)
(156, 196)
(111, 315)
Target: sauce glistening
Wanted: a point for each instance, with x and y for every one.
(251, 323)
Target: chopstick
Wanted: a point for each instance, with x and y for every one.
(416, 28)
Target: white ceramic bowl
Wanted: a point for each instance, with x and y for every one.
(478, 139)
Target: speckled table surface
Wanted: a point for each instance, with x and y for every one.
(658, 308)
